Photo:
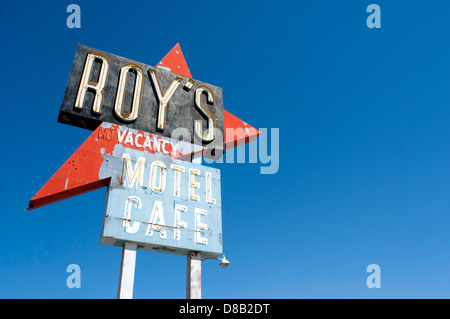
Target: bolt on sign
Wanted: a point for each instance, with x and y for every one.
(104, 87)
(164, 205)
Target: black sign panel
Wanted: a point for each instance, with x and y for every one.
(103, 87)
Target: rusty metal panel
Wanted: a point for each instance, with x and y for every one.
(181, 112)
(163, 205)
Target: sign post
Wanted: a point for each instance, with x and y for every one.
(194, 276)
(194, 264)
(127, 267)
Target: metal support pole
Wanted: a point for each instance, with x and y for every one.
(194, 263)
(127, 267)
(194, 276)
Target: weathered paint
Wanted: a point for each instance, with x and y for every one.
(82, 173)
(171, 206)
(237, 132)
(107, 91)
(175, 62)
(79, 174)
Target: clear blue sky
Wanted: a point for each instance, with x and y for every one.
(364, 119)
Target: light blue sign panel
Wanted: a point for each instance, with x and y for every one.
(164, 205)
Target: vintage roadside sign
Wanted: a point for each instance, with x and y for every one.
(79, 175)
(104, 87)
(156, 200)
(164, 205)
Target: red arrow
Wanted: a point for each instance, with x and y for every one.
(80, 173)
(174, 62)
(239, 132)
